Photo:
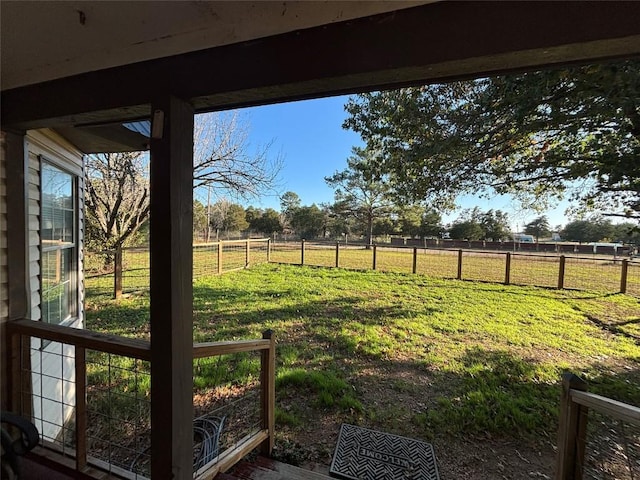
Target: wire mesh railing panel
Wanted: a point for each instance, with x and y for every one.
(534, 270)
(136, 269)
(119, 414)
(227, 404)
(205, 260)
(438, 263)
(399, 260)
(286, 252)
(633, 278)
(612, 449)
(48, 393)
(598, 275)
(320, 254)
(483, 266)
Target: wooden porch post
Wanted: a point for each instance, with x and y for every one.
(171, 289)
(14, 153)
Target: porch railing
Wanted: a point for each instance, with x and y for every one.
(88, 394)
(576, 431)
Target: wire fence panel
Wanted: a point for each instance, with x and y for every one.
(437, 263)
(612, 449)
(288, 252)
(234, 256)
(534, 270)
(136, 270)
(258, 251)
(205, 259)
(633, 278)
(319, 254)
(356, 257)
(399, 260)
(598, 275)
(483, 266)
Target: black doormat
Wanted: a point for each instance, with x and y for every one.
(363, 454)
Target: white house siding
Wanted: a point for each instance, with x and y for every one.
(52, 364)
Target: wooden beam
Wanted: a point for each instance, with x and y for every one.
(171, 295)
(17, 225)
(14, 157)
(433, 42)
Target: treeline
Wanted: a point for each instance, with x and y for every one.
(224, 219)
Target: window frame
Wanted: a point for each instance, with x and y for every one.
(73, 307)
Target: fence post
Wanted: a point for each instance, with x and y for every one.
(268, 250)
(248, 253)
(302, 242)
(81, 408)
(268, 391)
(337, 254)
(623, 276)
(415, 260)
(117, 272)
(561, 272)
(375, 256)
(459, 264)
(507, 269)
(571, 430)
(219, 257)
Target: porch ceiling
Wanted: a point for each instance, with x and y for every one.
(44, 40)
(431, 42)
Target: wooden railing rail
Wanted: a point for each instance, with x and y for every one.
(607, 406)
(212, 349)
(574, 412)
(102, 342)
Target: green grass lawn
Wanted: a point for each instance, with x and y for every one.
(408, 353)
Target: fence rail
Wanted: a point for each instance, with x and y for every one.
(551, 270)
(89, 395)
(575, 435)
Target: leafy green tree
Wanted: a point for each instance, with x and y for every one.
(591, 230)
(267, 223)
(199, 218)
(626, 232)
(359, 190)
(235, 220)
(466, 230)
(495, 225)
(289, 204)
(539, 227)
(533, 135)
(383, 226)
(308, 221)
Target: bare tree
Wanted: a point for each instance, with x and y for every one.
(118, 183)
(222, 157)
(117, 203)
(117, 196)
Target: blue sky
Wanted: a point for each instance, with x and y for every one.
(313, 144)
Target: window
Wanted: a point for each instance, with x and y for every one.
(58, 234)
